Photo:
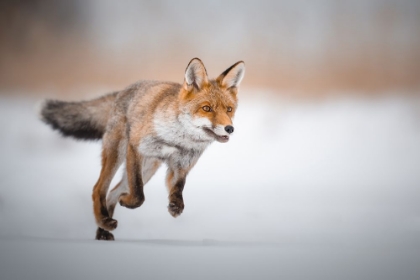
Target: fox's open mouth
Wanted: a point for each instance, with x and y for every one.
(219, 138)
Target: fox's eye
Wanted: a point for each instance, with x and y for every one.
(207, 108)
(229, 109)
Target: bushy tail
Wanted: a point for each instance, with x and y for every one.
(84, 120)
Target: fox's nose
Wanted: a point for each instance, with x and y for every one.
(229, 129)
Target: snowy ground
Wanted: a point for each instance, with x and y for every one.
(304, 190)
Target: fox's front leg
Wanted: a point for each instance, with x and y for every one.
(135, 197)
(175, 181)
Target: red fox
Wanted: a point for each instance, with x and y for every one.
(147, 124)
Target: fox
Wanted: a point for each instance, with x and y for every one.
(148, 124)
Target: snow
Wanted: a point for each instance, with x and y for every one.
(303, 190)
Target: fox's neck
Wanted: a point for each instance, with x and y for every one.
(178, 130)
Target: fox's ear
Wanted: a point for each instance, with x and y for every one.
(233, 76)
(196, 74)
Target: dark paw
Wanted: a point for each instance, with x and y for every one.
(102, 234)
(109, 224)
(175, 208)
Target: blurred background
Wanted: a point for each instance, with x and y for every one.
(311, 47)
(320, 178)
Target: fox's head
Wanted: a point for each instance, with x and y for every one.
(208, 106)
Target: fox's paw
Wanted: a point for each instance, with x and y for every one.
(102, 234)
(175, 208)
(108, 224)
(131, 202)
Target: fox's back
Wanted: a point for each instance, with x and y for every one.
(144, 97)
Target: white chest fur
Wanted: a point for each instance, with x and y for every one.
(179, 156)
(178, 141)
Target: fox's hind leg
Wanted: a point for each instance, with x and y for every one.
(135, 196)
(115, 193)
(122, 190)
(112, 154)
(111, 201)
